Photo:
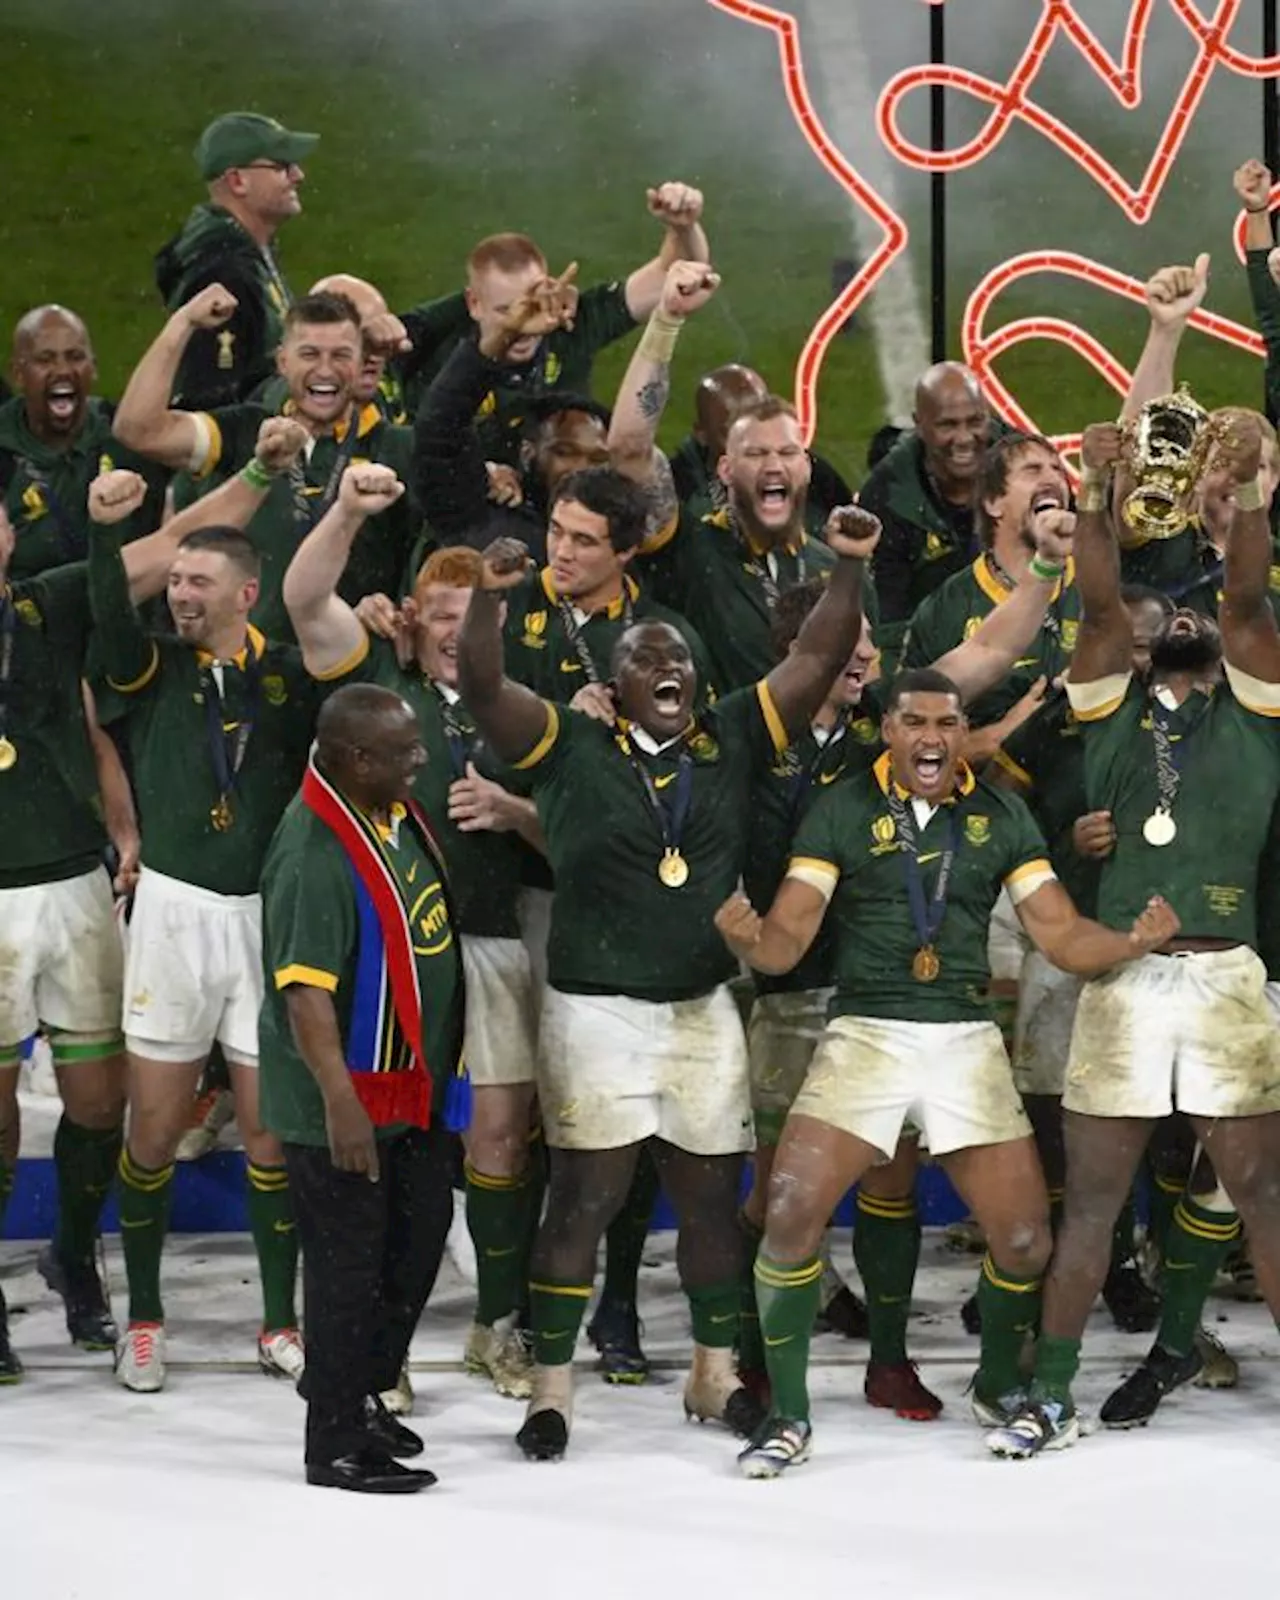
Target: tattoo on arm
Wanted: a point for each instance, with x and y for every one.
(664, 503)
(652, 396)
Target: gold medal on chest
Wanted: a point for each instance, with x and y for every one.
(673, 869)
(221, 816)
(8, 754)
(925, 965)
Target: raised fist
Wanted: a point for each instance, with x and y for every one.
(213, 306)
(113, 496)
(1052, 530)
(1237, 450)
(1155, 925)
(1175, 292)
(385, 335)
(505, 487)
(1253, 185)
(851, 531)
(739, 925)
(281, 440)
(505, 562)
(688, 287)
(368, 488)
(1102, 446)
(678, 205)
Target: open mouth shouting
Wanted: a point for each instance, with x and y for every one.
(668, 695)
(774, 501)
(929, 769)
(62, 401)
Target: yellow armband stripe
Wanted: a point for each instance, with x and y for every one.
(1100, 698)
(143, 678)
(347, 664)
(1254, 694)
(1023, 881)
(818, 874)
(544, 744)
(310, 977)
(772, 716)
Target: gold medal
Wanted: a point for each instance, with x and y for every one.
(221, 816)
(1159, 829)
(925, 965)
(8, 754)
(673, 869)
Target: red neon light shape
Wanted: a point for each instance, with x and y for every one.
(1009, 101)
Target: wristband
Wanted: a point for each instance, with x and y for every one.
(658, 341)
(256, 475)
(1257, 211)
(1044, 570)
(1249, 496)
(1093, 493)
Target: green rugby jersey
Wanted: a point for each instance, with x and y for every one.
(50, 812)
(45, 491)
(310, 935)
(781, 798)
(709, 572)
(165, 684)
(484, 868)
(1229, 759)
(1046, 756)
(616, 928)
(380, 555)
(540, 652)
(955, 612)
(850, 841)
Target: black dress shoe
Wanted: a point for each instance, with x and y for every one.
(369, 1472)
(386, 1433)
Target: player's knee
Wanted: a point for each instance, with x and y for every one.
(794, 1222)
(1024, 1247)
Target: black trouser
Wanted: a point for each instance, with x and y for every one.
(370, 1255)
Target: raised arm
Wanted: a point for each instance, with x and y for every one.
(231, 505)
(512, 718)
(1250, 642)
(144, 419)
(802, 679)
(1253, 185)
(1172, 295)
(779, 941)
(328, 629)
(986, 659)
(1104, 646)
(679, 208)
(1086, 948)
(646, 384)
(122, 647)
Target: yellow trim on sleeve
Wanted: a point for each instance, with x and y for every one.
(822, 876)
(347, 664)
(1026, 880)
(311, 977)
(1100, 697)
(653, 542)
(544, 744)
(1254, 694)
(1027, 870)
(143, 678)
(772, 716)
(213, 451)
(1002, 758)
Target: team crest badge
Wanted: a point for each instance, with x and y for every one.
(488, 405)
(884, 830)
(29, 611)
(535, 627)
(977, 830)
(554, 367)
(33, 502)
(933, 546)
(702, 747)
(864, 730)
(273, 690)
(1070, 632)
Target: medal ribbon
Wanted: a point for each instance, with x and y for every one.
(573, 631)
(228, 753)
(671, 822)
(926, 914)
(1169, 757)
(307, 509)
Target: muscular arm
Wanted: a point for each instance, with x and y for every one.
(1104, 645)
(1250, 641)
(1074, 943)
(144, 420)
(802, 679)
(327, 628)
(641, 400)
(788, 930)
(147, 561)
(643, 288)
(985, 660)
(124, 648)
(512, 718)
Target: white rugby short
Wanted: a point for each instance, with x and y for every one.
(1190, 1032)
(60, 959)
(952, 1080)
(193, 972)
(782, 1035)
(1047, 1000)
(501, 1029)
(613, 1071)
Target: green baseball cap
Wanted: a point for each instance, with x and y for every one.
(242, 137)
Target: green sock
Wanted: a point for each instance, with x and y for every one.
(1198, 1242)
(1057, 1362)
(144, 1219)
(1122, 1236)
(788, 1295)
(886, 1247)
(276, 1241)
(1010, 1309)
(85, 1160)
(1163, 1195)
(557, 1310)
(714, 1312)
(536, 1170)
(750, 1344)
(498, 1222)
(625, 1240)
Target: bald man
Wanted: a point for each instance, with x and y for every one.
(720, 398)
(922, 492)
(55, 438)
